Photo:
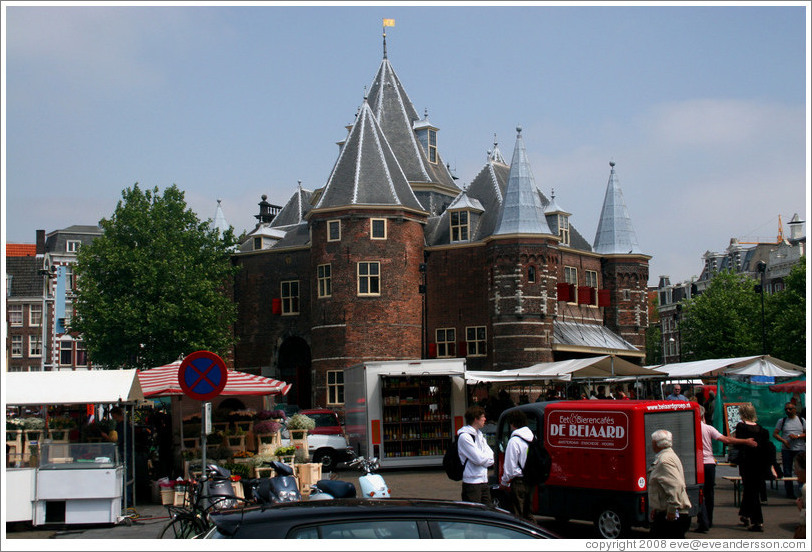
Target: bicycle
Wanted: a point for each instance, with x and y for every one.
(192, 519)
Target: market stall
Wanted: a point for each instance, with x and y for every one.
(71, 482)
(404, 412)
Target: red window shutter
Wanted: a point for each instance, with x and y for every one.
(564, 291)
(276, 305)
(462, 349)
(603, 298)
(586, 295)
(432, 350)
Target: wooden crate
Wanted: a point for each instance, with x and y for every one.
(307, 474)
(167, 496)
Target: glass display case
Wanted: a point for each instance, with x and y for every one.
(78, 456)
(417, 417)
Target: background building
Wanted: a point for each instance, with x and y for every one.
(774, 259)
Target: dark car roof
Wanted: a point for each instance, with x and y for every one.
(285, 515)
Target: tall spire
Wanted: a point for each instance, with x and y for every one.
(615, 233)
(220, 221)
(522, 212)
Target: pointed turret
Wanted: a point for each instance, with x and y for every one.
(397, 116)
(367, 171)
(521, 211)
(295, 209)
(220, 221)
(615, 233)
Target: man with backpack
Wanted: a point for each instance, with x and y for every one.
(476, 457)
(791, 432)
(513, 479)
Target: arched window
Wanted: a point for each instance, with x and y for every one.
(531, 274)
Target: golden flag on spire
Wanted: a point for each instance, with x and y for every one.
(388, 22)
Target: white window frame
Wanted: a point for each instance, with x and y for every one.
(372, 234)
(15, 315)
(591, 280)
(431, 140)
(16, 346)
(32, 314)
(571, 277)
(369, 279)
(63, 349)
(72, 246)
(336, 223)
(479, 343)
(461, 231)
(35, 346)
(289, 292)
(446, 348)
(335, 387)
(81, 351)
(324, 280)
(564, 229)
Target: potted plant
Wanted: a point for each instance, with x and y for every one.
(300, 423)
(33, 427)
(14, 427)
(235, 438)
(59, 427)
(285, 454)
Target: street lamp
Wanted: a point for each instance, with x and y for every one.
(761, 267)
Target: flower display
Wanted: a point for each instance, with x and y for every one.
(266, 427)
(301, 421)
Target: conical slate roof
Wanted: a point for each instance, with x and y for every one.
(615, 233)
(396, 114)
(367, 171)
(295, 209)
(220, 221)
(522, 211)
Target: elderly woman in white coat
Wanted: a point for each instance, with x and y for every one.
(667, 495)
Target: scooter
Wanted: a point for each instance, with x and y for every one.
(220, 493)
(279, 488)
(372, 484)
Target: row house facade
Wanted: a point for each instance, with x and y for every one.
(391, 259)
(768, 262)
(40, 289)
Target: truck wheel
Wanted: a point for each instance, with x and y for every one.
(610, 523)
(326, 458)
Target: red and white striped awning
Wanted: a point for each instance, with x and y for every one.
(163, 381)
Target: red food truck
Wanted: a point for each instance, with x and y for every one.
(600, 451)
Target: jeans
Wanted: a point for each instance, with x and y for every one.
(705, 517)
(787, 458)
(476, 492)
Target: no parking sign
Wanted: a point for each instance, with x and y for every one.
(202, 375)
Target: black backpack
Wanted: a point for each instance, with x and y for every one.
(537, 467)
(454, 468)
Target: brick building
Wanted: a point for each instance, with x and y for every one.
(391, 259)
(39, 301)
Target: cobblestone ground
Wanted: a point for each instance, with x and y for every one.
(780, 513)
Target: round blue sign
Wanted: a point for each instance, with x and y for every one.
(202, 375)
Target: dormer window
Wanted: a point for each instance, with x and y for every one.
(257, 244)
(427, 136)
(564, 228)
(432, 146)
(73, 246)
(459, 226)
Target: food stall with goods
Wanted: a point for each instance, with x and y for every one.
(404, 412)
(71, 483)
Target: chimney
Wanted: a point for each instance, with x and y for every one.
(40, 242)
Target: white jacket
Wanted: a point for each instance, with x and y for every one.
(473, 447)
(516, 454)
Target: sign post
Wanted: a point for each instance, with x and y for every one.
(202, 375)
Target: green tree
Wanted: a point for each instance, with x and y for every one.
(654, 345)
(724, 321)
(786, 326)
(155, 285)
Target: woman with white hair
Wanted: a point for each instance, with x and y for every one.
(667, 495)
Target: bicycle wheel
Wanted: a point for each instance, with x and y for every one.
(182, 528)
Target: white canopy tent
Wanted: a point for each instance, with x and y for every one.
(761, 365)
(72, 387)
(599, 367)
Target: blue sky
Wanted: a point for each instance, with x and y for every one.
(704, 109)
